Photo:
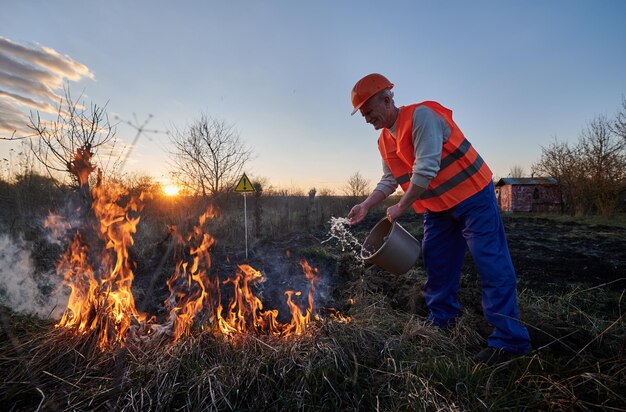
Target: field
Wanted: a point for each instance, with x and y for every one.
(369, 348)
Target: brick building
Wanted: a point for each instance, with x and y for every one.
(529, 194)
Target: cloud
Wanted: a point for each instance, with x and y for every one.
(26, 86)
(11, 118)
(31, 78)
(25, 101)
(50, 59)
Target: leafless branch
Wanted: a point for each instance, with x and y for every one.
(208, 156)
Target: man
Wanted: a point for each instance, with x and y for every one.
(444, 178)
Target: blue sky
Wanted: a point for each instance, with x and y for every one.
(516, 74)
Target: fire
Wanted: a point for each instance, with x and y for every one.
(98, 270)
(101, 298)
(79, 276)
(192, 293)
(245, 310)
(312, 274)
(299, 322)
(188, 291)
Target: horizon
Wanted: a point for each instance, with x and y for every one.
(516, 75)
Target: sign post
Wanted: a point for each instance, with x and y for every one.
(244, 186)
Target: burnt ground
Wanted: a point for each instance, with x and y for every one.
(548, 253)
(571, 283)
(550, 257)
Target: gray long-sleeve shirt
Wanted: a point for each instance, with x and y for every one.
(430, 132)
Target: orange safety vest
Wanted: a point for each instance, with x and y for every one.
(462, 171)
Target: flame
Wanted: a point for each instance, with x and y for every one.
(245, 310)
(81, 165)
(312, 275)
(188, 293)
(101, 299)
(300, 322)
(193, 293)
(79, 276)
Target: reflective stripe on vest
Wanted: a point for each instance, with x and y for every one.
(447, 161)
(455, 181)
(462, 172)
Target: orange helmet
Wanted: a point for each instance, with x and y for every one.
(368, 87)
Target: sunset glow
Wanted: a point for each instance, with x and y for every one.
(171, 190)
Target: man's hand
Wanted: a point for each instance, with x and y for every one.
(357, 213)
(394, 212)
(411, 195)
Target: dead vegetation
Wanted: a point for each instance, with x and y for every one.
(385, 358)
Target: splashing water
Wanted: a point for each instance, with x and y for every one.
(340, 232)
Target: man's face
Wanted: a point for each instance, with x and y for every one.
(376, 111)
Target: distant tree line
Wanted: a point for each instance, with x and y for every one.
(592, 171)
(209, 156)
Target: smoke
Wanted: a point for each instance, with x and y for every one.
(58, 227)
(283, 272)
(23, 290)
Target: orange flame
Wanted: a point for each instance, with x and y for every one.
(244, 307)
(245, 311)
(102, 300)
(81, 165)
(78, 275)
(192, 293)
(300, 322)
(188, 293)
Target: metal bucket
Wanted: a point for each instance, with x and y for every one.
(390, 247)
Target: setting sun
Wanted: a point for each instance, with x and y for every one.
(171, 190)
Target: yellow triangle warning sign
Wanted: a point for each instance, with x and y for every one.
(244, 185)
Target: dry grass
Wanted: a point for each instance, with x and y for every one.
(384, 359)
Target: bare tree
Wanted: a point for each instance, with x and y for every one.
(619, 124)
(591, 173)
(516, 171)
(69, 143)
(208, 156)
(356, 186)
(564, 163)
(138, 182)
(604, 159)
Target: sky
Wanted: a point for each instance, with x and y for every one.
(516, 74)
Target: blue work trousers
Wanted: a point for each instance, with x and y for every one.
(474, 224)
